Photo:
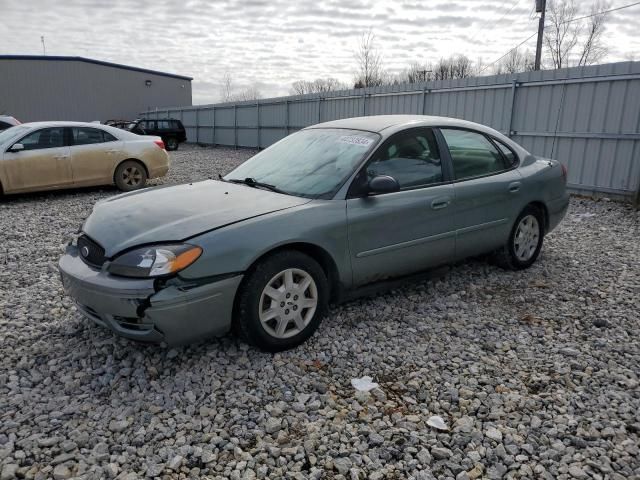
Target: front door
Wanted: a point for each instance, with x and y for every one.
(94, 155)
(44, 162)
(487, 191)
(399, 233)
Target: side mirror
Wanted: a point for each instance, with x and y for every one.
(383, 184)
(16, 147)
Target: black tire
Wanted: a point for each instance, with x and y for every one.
(507, 256)
(130, 175)
(171, 144)
(249, 302)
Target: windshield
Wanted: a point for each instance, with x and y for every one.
(310, 163)
(12, 132)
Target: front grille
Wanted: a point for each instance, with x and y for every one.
(91, 252)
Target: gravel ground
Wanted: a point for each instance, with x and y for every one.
(535, 373)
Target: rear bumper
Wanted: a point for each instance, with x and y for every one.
(557, 210)
(133, 309)
(158, 171)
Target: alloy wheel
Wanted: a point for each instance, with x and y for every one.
(288, 303)
(132, 176)
(526, 239)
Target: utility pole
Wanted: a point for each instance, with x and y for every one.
(541, 7)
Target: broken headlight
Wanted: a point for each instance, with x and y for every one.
(154, 260)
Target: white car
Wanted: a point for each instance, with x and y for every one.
(54, 155)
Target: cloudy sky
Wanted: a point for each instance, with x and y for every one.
(271, 43)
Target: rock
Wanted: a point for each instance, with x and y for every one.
(494, 434)
(273, 425)
(577, 472)
(61, 472)
(424, 457)
(118, 426)
(441, 453)
(175, 462)
(9, 471)
(342, 465)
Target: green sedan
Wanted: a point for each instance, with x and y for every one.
(324, 212)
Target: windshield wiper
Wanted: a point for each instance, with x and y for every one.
(252, 182)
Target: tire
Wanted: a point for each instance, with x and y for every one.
(130, 175)
(259, 316)
(525, 241)
(171, 144)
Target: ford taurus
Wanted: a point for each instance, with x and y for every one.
(326, 210)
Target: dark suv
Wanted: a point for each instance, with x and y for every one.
(171, 130)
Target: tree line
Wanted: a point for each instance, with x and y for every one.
(569, 40)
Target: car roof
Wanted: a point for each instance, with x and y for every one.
(378, 123)
(62, 124)
(387, 125)
(117, 132)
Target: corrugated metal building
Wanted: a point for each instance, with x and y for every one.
(34, 88)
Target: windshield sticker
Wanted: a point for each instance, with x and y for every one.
(356, 140)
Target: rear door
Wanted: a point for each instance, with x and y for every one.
(44, 162)
(94, 155)
(403, 232)
(487, 191)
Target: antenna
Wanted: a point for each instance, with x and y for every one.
(44, 47)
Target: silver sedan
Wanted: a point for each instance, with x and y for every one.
(324, 212)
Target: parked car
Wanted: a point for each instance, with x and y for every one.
(171, 130)
(326, 210)
(7, 122)
(53, 155)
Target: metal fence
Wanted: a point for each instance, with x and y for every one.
(586, 117)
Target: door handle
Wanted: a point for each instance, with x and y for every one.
(514, 187)
(113, 151)
(60, 157)
(440, 202)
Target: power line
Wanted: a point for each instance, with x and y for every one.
(562, 23)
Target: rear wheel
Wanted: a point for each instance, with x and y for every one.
(525, 241)
(130, 175)
(282, 301)
(171, 143)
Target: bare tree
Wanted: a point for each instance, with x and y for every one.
(565, 33)
(369, 60)
(516, 61)
(226, 93)
(318, 85)
(593, 48)
(416, 73)
(456, 66)
(250, 93)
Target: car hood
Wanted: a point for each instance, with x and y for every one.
(175, 213)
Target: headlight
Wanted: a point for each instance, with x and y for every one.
(155, 260)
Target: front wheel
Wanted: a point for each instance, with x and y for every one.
(282, 301)
(525, 241)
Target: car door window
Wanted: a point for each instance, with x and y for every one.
(472, 154)
(88, 136)
(45, 138)
(509, 155)
(412, 158)
(150, 125)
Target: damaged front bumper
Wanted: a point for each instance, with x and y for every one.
(133, 308)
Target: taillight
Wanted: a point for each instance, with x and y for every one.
(565, 172)
(160, 143)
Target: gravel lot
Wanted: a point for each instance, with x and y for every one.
(535, 373)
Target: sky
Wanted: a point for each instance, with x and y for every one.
(272, 43)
